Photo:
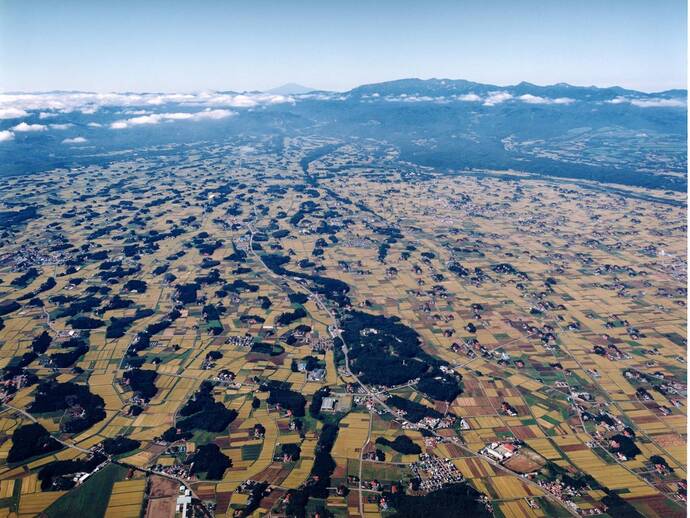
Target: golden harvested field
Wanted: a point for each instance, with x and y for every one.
(284, 321)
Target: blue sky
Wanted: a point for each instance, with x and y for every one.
(102, 45)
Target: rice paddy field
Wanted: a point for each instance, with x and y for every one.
(184, 314)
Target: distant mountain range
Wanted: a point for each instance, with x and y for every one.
(290, 89)
(438, 87)
(613, 134)
(446, 87)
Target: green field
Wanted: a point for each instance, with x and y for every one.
(91, 498)
(383, 472)
(251, 451)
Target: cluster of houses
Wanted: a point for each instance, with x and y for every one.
(470, 347)
(27, 257)
(508, 409)
(227, 378)
(373, 485)
(611, 352)
(176, 450)
(245, 340)
(179, 471)
(316, 374)
(320, 345)
(135, 400)
(665, 387)
(566, 493)
(9, 387)
(435, 472)
(427, 422)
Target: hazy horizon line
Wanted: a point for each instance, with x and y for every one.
(311, 89)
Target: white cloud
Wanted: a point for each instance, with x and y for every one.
(412, 98)
(152, 119)
(6, 136)
(328, 96)
(47, 115)
(491, 99)
(156, 118)
(12, 113)
(659, 103)
(94, 125)
(75, 140)
(651, 102)
(239, 100)
(469, 97)
(495, 98)
(535, 99)
(89, 103)
(24, 127)
(213, 114)
(61, 126)
(136, 112)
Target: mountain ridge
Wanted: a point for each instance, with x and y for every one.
(456, 85)
(463, 86)
(290, 89)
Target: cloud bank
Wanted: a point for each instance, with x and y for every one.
(19, 105)
(650, 102)
(495, 98)
(75, 140)
(490, 99)
(157, 118)
(535, 99)
(23, 127)
(10, 112)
